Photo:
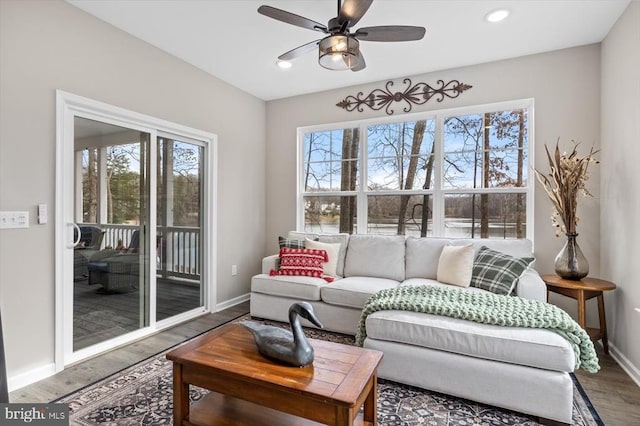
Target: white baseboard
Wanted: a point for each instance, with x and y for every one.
(23, 379)
(233, 302)
(625, 363)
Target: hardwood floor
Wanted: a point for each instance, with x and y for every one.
(612, 392)
(614, 395)
(84, 373)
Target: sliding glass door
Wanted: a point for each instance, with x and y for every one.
(134, 226)
(111, 283)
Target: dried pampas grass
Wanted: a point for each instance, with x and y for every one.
(567, 178)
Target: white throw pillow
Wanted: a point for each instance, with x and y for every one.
(456, 265)
(333, 250)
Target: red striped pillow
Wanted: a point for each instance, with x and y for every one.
(302, 262)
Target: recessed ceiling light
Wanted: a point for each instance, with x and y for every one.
(284, 64)
(497, 15)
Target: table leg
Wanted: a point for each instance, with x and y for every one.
(370, 403)
(343, 416)
(603, 323)
(180, 396)
(582, 310)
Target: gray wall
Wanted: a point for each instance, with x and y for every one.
(49, 45)
(620, 186)
(565, 85)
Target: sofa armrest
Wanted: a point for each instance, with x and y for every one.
(531, 286)
(269, 263)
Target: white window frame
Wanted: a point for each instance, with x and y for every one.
(437, 191)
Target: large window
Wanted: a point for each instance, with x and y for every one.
(452, 173)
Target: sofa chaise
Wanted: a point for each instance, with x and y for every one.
(521, 369)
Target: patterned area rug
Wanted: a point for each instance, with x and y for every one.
(142, 395)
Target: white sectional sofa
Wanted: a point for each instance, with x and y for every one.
(521, 369)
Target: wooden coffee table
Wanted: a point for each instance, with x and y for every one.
(249, 389)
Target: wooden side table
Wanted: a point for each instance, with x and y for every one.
(583, 290)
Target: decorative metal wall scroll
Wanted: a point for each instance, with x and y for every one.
(417, 94)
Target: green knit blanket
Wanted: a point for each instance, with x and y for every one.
(486, 308)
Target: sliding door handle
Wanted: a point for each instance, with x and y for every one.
(77, 228)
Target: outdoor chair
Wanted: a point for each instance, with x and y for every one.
(89, 244)
(117, 271)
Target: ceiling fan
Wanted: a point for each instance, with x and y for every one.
(340, 49)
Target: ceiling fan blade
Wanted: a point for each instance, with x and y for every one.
(390, 33)
(352, 10)
(299, 51)
(291, 18)
(361, 63)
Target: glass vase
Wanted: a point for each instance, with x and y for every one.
(570, 262)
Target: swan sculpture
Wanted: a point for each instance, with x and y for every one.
(290, 347)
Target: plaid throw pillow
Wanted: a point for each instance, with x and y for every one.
(286, 242)
(302, 262)
(497, 272)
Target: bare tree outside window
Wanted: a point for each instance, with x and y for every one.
(484, 151)
(90, 185)
(400, 158)
(350, 143)
(482, 171)
(331, 160)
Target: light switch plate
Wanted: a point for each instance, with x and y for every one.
(43, 216)
(10, 220)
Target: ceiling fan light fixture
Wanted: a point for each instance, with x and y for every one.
(339, 52)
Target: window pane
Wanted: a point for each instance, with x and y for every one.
(185, 182)
(330, 215)
(485, 215)
(325, 168)
(385, 211)
(508, 144)
(123, 171)
(400, 155)
(179, 223)
(486, 150)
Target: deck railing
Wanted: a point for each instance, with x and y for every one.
(178, 248)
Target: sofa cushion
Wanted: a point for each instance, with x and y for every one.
(425, 281)
(456, 265)
(516, 248)
(296, 287)
(342, 239)
(375, 256)
(353, 292)
(423, 253)
(531, 347)
(422, 257)
(498, 272)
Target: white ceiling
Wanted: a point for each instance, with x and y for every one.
(230, 40)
